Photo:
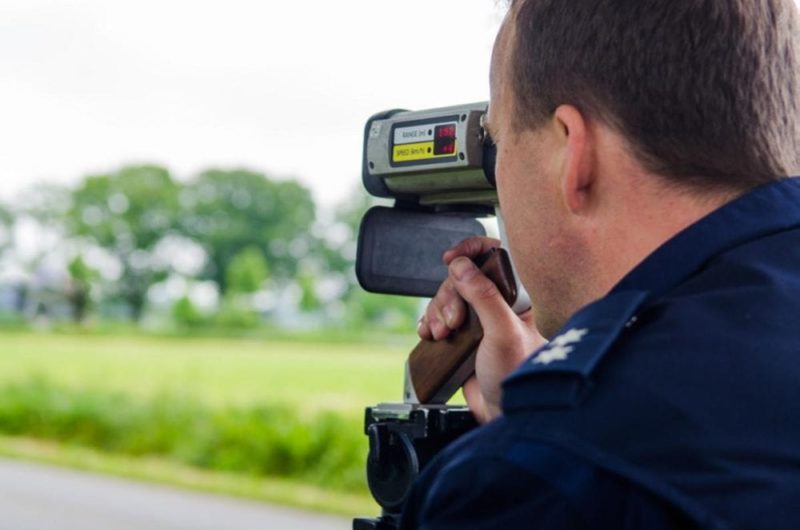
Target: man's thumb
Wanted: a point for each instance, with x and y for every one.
(482, 294)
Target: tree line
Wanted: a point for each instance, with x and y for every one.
(259, 248)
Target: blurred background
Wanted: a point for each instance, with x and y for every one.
(179, 202)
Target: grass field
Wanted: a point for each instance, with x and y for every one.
(287, 412)
(308, 376)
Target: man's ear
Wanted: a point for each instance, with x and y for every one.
(577, 171)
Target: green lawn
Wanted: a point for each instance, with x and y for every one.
(309, 376)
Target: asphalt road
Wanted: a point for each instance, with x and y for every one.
(38, 497)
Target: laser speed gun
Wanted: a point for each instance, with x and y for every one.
(437, 166)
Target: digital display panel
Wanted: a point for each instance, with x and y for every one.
(444, 141)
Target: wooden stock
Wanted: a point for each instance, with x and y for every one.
(437, 367)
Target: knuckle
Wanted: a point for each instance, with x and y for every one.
(431, 313)
(446, 289)
(439, 330)
(485, 289)
(437, 304)
(448, 294)
(472, 245)
(468, 247)
(423, 330)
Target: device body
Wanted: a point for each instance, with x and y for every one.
(438, 167)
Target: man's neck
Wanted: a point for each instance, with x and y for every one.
(653, 213)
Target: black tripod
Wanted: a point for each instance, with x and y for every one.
(403, 438)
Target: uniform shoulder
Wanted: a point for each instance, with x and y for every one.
(563, 367)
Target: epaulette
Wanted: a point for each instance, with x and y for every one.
(559, 373)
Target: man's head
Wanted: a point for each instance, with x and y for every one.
(620, 122)
(698, 87)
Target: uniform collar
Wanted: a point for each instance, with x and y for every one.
(768, 209)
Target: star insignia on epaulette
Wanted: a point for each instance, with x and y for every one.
(556, 353)
(559, 348)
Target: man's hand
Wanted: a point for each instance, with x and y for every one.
(507, 337)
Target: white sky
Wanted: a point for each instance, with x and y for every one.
(281, 87)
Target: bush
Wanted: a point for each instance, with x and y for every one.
(326, 449)
(187, 315)
(236, 315)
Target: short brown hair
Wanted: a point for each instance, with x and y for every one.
(707, 92)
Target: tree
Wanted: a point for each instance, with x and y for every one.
(127, 213)
(80, 285)
(392, 312)
(186, 314)
(245, 275)
(338, 248)
(247, 271)
(227, 211)
(6, 223)
(309, 301)
(39, 210)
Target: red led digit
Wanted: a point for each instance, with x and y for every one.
(445, 139)
(446, 131)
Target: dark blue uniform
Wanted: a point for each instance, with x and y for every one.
(673, 402)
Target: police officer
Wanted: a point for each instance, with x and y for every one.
(644, 155)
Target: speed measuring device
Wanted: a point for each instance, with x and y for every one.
(431, 157)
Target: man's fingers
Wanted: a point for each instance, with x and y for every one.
(484, 297)
(447, 310)
(436, 321)
(445, 313)
(423, 329)
(470, 247)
